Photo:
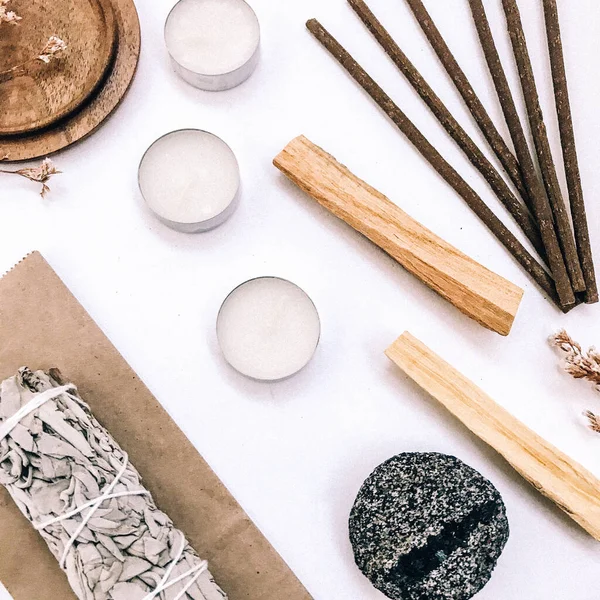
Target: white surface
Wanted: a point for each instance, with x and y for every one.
(295, 453)
(268, 329)
(189, 176)
(212, 37)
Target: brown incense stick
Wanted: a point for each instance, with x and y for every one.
(537, 193)
(542, 144)
(465, 89)
(450, 175)
(567, 136)
(451, 125)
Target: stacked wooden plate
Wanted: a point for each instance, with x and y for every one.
(47, 107)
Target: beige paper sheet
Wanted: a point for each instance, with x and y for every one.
(42, 325)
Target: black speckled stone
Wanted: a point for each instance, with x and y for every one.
(428, 527)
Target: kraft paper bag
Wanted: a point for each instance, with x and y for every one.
(43, 326)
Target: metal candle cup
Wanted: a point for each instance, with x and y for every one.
(190, 180)
(268, 329)
(214, 44)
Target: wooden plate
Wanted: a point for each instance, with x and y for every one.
(46, 93)
(98, 107)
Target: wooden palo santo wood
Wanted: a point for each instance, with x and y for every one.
(575, 490)
(476, 291)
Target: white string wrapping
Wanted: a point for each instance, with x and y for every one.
(94, 506)
(52, 394)
(32, 406)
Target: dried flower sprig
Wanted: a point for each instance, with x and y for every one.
(594, 420)
(580, 365)
(8, 16)
(54, 46)
(51, 51)
(41, 174)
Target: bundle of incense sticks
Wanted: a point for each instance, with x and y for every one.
(565, 268)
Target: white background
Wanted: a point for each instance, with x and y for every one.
(295, 453)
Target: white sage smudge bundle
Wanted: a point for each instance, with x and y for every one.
(75, 484)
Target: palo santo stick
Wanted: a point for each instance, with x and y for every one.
(537, 194)
(542, 144)
(567, 136)
(476, 291)
(474, 104)
(574, 489)
(451, 125)
(436, 160)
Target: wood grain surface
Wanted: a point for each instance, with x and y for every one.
(575, 490)
(38, 94)
(476, 291)
(95, 109)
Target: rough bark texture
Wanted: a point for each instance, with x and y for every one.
(539, 201)
(542, 144)
(567, 136)
(466, 90)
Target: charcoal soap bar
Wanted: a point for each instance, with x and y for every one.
(428, 527)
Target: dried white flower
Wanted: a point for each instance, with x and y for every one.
(41, 174)
(53, 47)
(8, 16)
(580, 365)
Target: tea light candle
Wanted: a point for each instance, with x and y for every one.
(213, 44)
(190, 180)
(268, 329)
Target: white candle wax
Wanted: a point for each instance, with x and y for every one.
(214, 44)
(268, 329)
(190, 180)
